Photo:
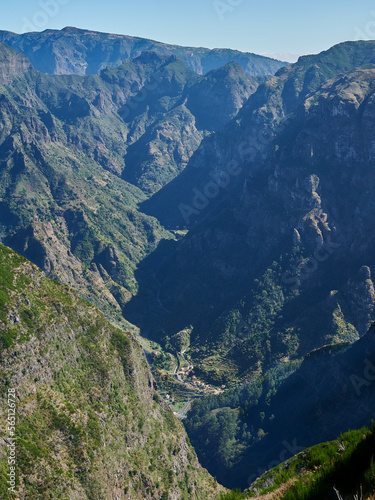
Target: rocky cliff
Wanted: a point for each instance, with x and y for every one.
(12, 64)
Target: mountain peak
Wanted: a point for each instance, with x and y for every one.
(232, 68)
(151, 56)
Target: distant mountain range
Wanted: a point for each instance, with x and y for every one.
(83, 52)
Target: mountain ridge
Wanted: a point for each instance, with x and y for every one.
(254, 127)
(70, 143)
(68, 53)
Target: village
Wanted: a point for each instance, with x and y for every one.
(195, 388)
(187, 375)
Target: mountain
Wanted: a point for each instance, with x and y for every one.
(231, 221)
(54, 189)
(247, 431)
(168, 123)
(83, 52)
(90, 423)
(68, 146)
(279, 260)
(245, 138)
(81, 147)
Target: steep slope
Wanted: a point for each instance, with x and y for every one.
(282, 263)
(343, 468)
(240, 145)
(167, 127)
(54, 189)
(80, 52)
(12, 63)
(141, 100)
(219, 96)
(67, 143)
(90, 423)
(245, 432)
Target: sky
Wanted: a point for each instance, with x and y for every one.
(272, 27)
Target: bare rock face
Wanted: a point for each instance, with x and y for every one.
(359, 300)
(12, 64)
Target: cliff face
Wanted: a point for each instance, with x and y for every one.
(90, 423)
(245, 139)
(12, 63)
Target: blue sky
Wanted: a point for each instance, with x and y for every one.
(262, 26)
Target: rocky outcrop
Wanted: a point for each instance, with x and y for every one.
(12, 64)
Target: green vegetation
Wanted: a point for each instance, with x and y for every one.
(264, 277)
(233, 495)
(239, 433)
(75, 151)
(86, 401)
(346, 464)
(270, 290)
(221, 428)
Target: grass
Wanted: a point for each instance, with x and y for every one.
(86, 403)
(345, 464)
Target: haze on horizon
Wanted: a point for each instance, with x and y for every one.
(281, 30)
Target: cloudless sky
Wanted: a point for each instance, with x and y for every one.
(262, 26)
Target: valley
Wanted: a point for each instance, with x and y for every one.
(175, 376)
(187, 257)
